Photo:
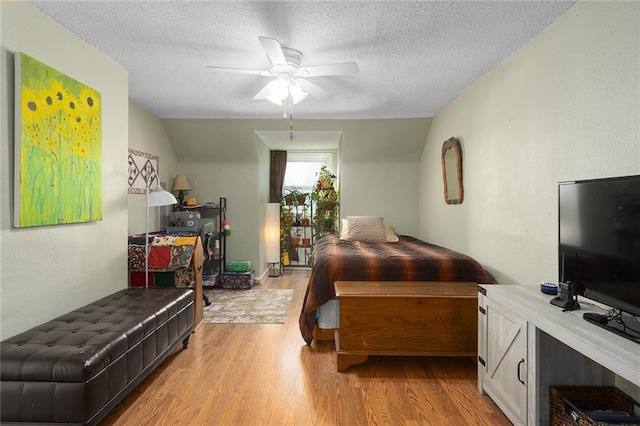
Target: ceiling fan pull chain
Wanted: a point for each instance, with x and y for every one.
(288, 105)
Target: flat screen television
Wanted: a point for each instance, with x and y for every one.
(599, 247)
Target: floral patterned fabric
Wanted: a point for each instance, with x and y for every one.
(166, 253)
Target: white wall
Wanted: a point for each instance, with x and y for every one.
(221, 158)
(147, 134)
(379, 170)
(47, 271)
(565, 106)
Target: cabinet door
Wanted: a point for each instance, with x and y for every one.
(505, 373)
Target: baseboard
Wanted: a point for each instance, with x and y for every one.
(262, 276)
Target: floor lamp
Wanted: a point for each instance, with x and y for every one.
(156, 198)
(272, 239)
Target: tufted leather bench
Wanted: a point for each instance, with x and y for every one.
(78, 367)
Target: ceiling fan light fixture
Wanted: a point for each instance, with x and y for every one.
(274, 99)
(290, 86)
(278, 91)
(296, 92)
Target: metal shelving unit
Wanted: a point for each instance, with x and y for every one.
(213, 238)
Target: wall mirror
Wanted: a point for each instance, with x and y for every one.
(452, 171)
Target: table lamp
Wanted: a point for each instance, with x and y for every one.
(181, 185)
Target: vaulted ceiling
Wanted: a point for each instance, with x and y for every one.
(414, 56)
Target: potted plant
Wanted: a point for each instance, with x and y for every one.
(295, 238)
(286, 222)
(286, 217)
(305, 220)
(294, 196)
(325, 178)
(325, 199)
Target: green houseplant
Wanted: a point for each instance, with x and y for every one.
(326, 179)
(294, 196)
(325, 199)
(286, 222)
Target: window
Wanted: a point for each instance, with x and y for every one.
(302, 168)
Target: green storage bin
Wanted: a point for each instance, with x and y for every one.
(238, 266)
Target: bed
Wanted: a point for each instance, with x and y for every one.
(408, 259)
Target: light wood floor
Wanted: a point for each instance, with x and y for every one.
(250, 374)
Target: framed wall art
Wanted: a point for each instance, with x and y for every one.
(452, 171)
(142, 168)
(58, 147)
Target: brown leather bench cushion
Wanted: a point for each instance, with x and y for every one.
(78, 365)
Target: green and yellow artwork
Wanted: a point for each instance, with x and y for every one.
(58, 175)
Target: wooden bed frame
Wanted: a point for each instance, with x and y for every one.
(408, 260)
(405, 318)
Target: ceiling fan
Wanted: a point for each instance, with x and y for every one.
(290, 85)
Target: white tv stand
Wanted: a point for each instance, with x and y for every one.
(525, 345)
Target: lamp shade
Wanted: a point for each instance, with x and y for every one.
(181, 184)
(278, 91)
(272, 233)
(160, 197)
(296, 92)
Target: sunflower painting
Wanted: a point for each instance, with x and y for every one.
(58, 176)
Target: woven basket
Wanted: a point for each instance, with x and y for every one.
(568, 403)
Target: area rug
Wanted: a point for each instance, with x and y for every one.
(255, 306)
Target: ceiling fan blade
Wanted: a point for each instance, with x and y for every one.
(274, 51)
(262, 94)
(241, 71)
(313, 90)
(330, 69)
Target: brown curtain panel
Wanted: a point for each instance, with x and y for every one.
(276, 175)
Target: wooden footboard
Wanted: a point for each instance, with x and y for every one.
(323, 334)
(405, 318)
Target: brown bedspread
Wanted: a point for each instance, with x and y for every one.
(410, 259)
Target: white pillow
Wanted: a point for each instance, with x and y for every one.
(389, 233)
(365, 228)
(344, 232)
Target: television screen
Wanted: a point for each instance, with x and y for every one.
(599, 240)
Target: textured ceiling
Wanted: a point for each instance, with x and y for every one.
(414, 56)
